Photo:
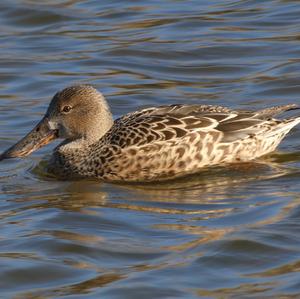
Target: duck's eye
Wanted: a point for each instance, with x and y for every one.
(66, 109)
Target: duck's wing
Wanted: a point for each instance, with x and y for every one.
(209, 110)
(200, 110)
(242, 124)
(141, 130)
(176, 121)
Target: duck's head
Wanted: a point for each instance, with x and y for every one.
(75, 113)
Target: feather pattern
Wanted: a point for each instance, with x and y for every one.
(165, 142)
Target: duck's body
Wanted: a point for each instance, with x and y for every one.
(157, 143)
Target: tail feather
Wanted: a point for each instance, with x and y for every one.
(270, 112)
(284, 127)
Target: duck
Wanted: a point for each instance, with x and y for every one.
(150, 144)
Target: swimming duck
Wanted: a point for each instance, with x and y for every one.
(151, 144)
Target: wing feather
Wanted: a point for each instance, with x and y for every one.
(176, 121)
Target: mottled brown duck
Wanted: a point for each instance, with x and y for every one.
(151, 144)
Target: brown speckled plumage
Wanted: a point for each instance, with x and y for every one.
(170, 141)
(157, 143)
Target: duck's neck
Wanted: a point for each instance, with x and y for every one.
(97, 128)
(70, 146)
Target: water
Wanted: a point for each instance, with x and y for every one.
(229, 232)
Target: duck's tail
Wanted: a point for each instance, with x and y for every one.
(284, 127)
(270, 112)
